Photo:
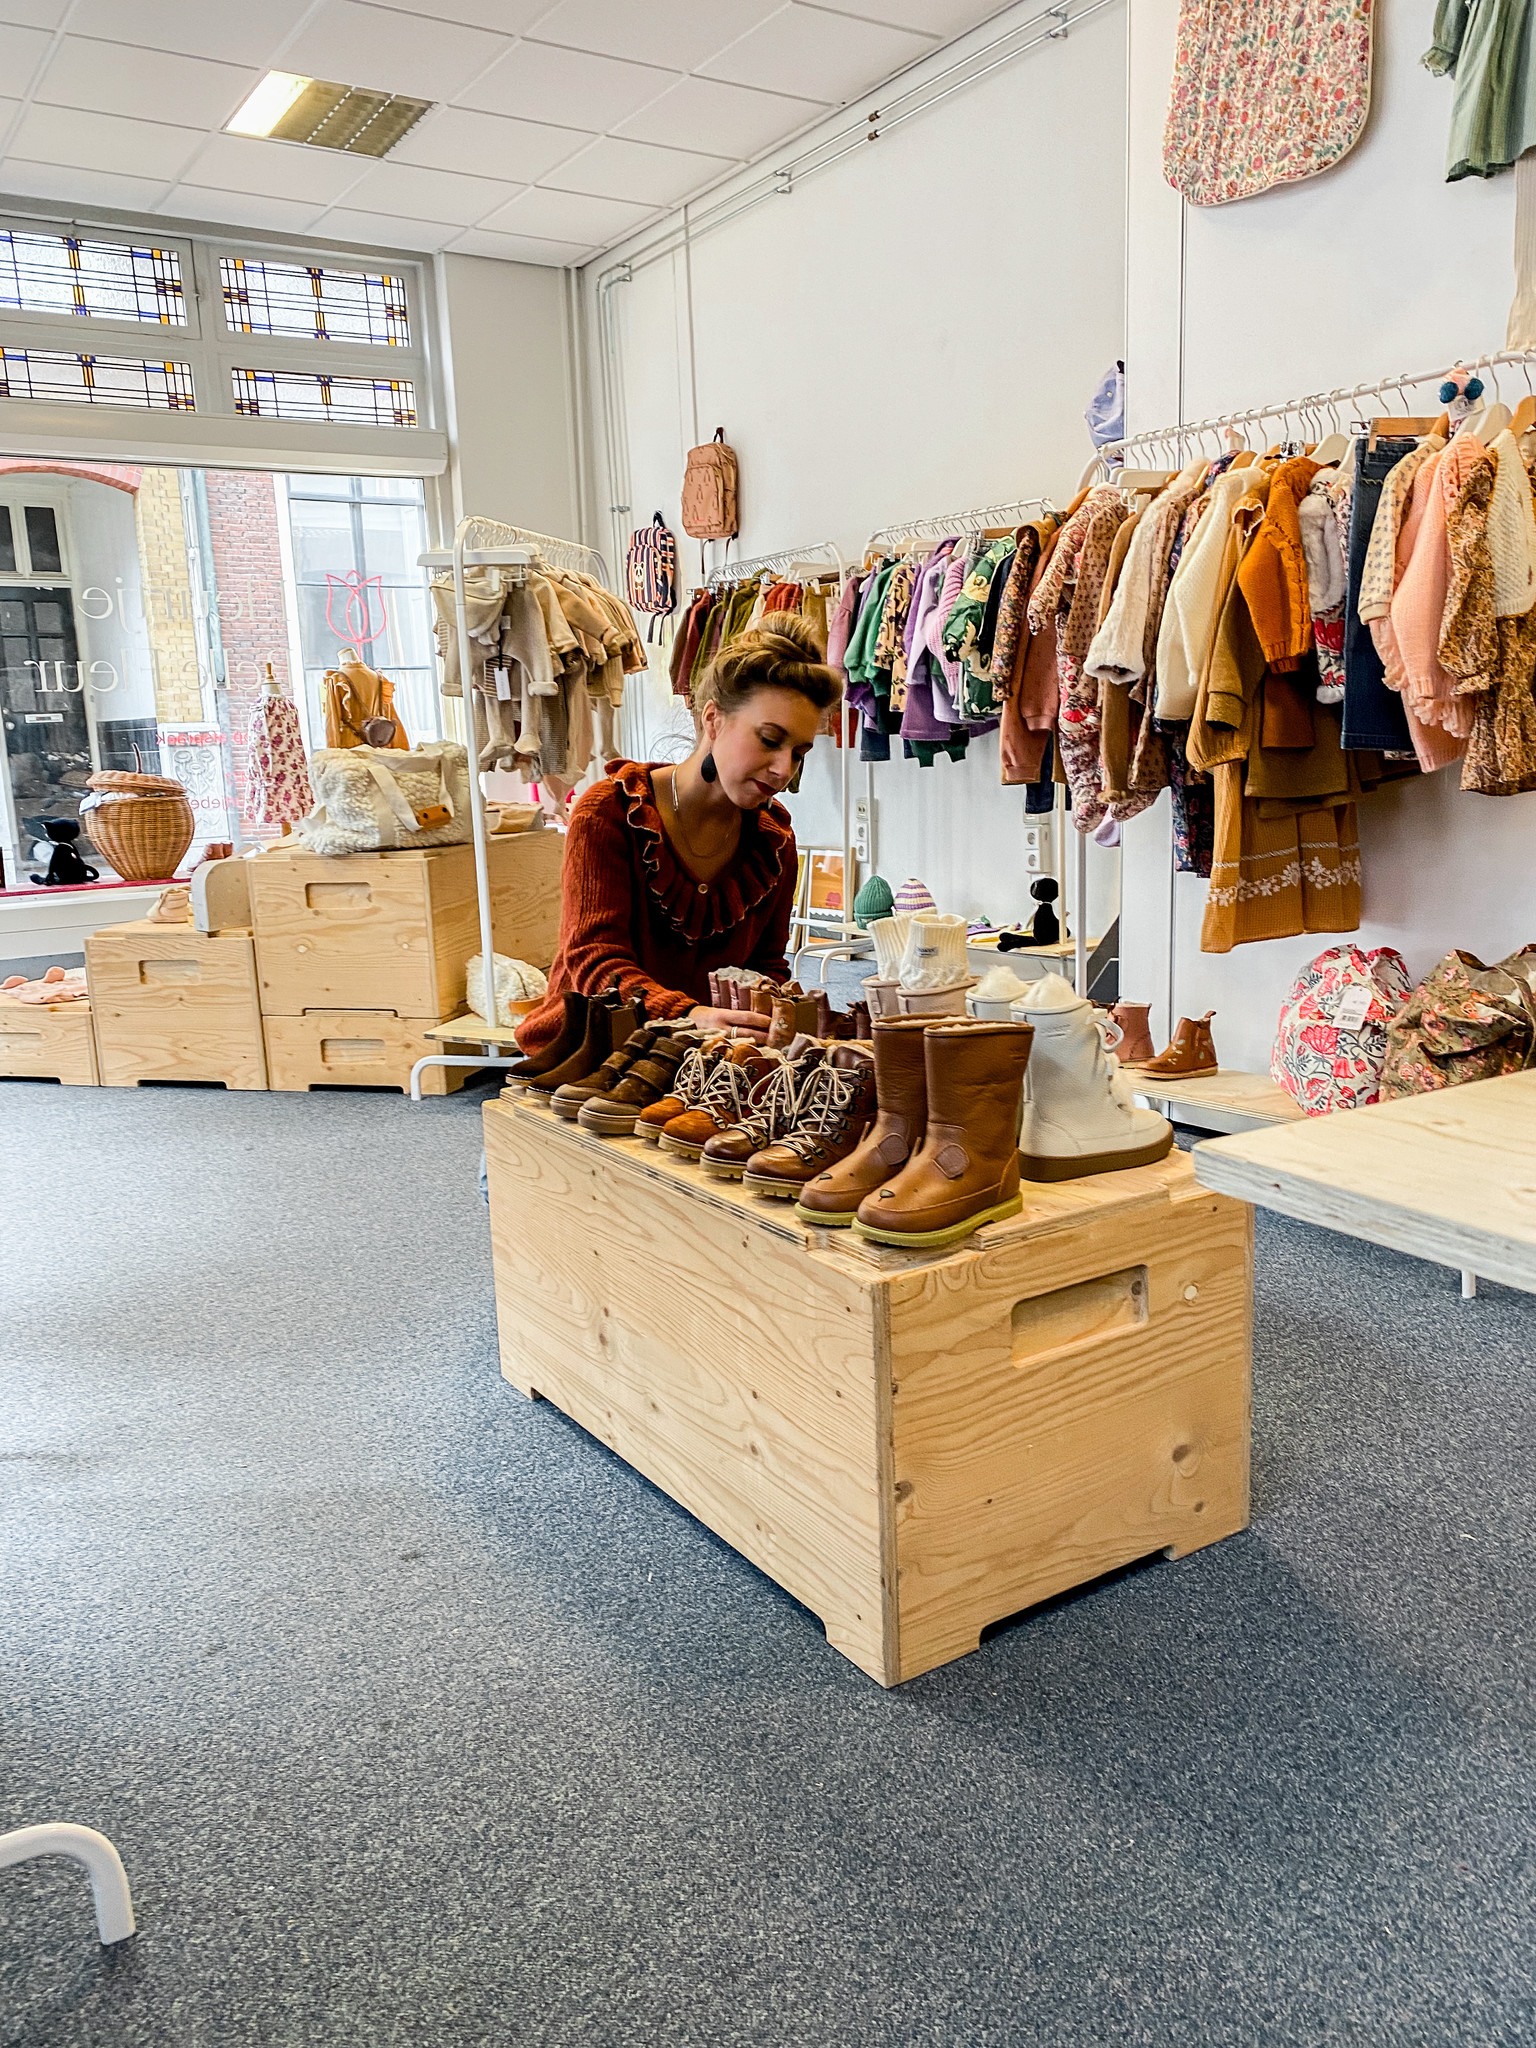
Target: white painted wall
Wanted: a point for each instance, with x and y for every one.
(916, 330)
(1376, 268)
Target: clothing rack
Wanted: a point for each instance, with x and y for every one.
(973, 521)
(483, 544)
(1310, 412)
(780, 563)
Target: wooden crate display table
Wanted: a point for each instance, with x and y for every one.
(357, 1049)
(395, 931)
(913, 1445)
(1449, 1177)
(175, 1004)
(48, 1042)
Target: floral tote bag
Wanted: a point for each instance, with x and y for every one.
(1464, 1022)
(1332, 1036)
(1264, 92)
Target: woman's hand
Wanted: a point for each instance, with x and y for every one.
(703, 1018)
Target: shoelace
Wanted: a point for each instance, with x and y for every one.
(726, 1089)
(772, 1104)
(691, 1075)
(829, 1096)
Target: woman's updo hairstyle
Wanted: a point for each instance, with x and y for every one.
(782, 653)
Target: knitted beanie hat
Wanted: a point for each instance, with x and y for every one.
(914, 895)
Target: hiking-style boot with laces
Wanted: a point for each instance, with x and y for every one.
(771, 1113)
(722, 1100)
(835, 1109)
(687, 1086)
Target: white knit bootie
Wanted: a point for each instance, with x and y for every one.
(890, 937)
(935, 952)
(1080, 1114)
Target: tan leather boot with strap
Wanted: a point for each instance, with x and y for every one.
(901, 1099)
(966, 1171)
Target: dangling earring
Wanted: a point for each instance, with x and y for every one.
(708, 769)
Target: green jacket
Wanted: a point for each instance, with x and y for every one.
(1485, 45)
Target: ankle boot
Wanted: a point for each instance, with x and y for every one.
(573, 1029)
(771, 1110)
(901, 1097)
(1135, 1047)
(609, 1023)
(716, 999)
(1080, 1116)
(785, 1024)
(687, 1086)
(859, 1012)
(835, 1108)
(568, 1098)
(1190, 1051)
(645, 1081)
(966, 1171)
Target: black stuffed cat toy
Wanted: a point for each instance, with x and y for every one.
(66, 869)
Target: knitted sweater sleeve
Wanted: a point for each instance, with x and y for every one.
(597, 912)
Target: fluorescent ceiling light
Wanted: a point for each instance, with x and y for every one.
(325, 115)
(268, 103)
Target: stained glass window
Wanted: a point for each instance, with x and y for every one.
(51, 376)
(306, 395)
(104, 280)
(312, 304)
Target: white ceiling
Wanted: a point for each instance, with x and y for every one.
(561, 127)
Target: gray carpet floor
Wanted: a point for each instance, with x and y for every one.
(418, 1718)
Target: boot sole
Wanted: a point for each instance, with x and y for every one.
(837, 1220)
(680, 1147)
(1037, 1166)
(608, 1126)
(931, 1240)
(1184, 1073)
(649, 1132)
(569, 1111)
(780, 1190)
(722, 1169)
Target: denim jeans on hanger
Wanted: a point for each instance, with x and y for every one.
(1373, 713)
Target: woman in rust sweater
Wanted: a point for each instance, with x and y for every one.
(672, 873)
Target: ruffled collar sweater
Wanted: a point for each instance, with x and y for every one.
(631, 913)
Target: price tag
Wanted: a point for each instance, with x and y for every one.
(1352, 1008)
(503, 684)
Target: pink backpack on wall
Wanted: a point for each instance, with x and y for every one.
(1332, 1037)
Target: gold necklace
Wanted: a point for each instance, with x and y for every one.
(677, 813)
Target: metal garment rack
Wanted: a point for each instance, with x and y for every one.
(488, 544)
(744, 570)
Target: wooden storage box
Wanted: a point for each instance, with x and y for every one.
(395, 931)
(915, 1446)
(175, 1004)
(357, 1049)
(48, 1042)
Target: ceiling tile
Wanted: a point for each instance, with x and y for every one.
(487, 145)
(384, 230)
(721, 117)
(843, 56)
(390, 52)
(110, 78)
(684, 32)
(936, 18)
(80, 188)
(103, 142)
(204, 203)
(518, 248)
(21, 51)
(537, 80)
(510, 17)
(34, 13)
(417, 194)
(245, 34)
(637, 170)
(565, 216)
(243, 163)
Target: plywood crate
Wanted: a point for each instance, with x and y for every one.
(914, 1445)
(395, 931)
(356, 1049)
(48, 1042)
(175, 1004)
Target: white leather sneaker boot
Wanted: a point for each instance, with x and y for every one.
(1080, 1114)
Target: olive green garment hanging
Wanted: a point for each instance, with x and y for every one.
(1486, 46)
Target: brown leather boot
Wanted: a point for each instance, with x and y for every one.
(966, 1171)
(609, 1023)
(1191, 1051)
(835, 1109)
(859, 1012)
(760, 999)
(573, 1029)
(722, 1101)
(687, 1086)
(784, 1025)
(570, 1095)
(771, 1110)
(1135, 1047)
(901, 1095)
(613, 1113)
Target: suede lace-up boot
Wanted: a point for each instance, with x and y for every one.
(570, 1095)
(1081, 1115)
(836, 1106)
(722, 1100)
(573, 1029)
(697, 1065)
(966, 1171)
(613, 1113)
(771, 1110)
(901, 1098)
(1189, 1052)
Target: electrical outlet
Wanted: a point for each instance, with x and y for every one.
(863, 830)
(1032, 860)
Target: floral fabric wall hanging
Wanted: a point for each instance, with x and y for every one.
(1264, 92)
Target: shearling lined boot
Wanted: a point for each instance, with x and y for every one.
(1080, 1115)
(966, 1171)
(901, 1099)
